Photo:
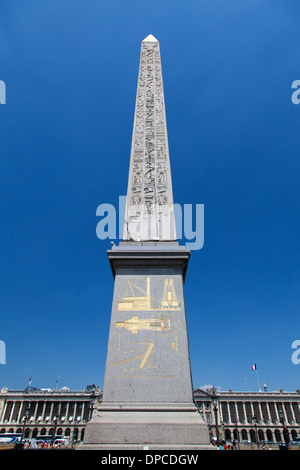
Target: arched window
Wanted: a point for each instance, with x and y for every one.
(2, 431)
(27, 433)
(67, 432)
(244, 435)
(227, 435)
(50, 432)
(269, 435)
(252, 435)
(277, 435)
(18, 431)
(59, 432)
(35, 432)
(43, 431)
(11, 430)
(82, 435)
(294, 433)
(261, 436)
(75, 434)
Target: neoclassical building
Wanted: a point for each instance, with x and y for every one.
(250, 416)
(243, 416)
(41, 412)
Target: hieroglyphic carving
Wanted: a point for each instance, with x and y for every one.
(149, 181)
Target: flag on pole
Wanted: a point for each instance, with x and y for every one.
(253, 367)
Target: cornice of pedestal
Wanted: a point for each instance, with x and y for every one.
(149, 255)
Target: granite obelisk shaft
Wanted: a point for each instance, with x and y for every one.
(149, 211)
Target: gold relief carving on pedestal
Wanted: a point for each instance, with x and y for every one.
(138, 299)
(135, 324)
(160, 322)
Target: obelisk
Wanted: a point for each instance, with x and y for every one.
(148, 391)
(149, 206)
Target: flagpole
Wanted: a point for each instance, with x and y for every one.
(259, 389)
(254, 367)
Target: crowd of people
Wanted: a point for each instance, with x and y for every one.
(222, 445)
(33, 444)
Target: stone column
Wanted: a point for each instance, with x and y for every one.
(284, 412)
(276, 411)
(245, 413)
(252, 410)
(236, 411)
(43, 411)
(4, 412)
(67, 412)
(12, 411)
(75, 412)
(269, 413)
(51, 412)
(82, 411)
(35, 412)
(260, 411)
(228, 413)
(220, 411)
(8, 411)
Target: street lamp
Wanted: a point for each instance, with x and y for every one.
(55, 419)
(25, 418)
(285, 429)
(215, 409)
(92, 402)
(281, 416)
(254, 419)
(237, 433)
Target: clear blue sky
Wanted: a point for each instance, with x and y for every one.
(70, 70)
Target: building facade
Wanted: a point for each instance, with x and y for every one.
(44, 412)
(242, 416)
(250, 416)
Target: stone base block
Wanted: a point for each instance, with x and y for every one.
(155, 426)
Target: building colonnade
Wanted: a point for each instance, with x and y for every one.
(40, 413)
(251, 416)
(242, 416)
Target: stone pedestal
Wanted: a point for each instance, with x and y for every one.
(148, 393)
(152, 426)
